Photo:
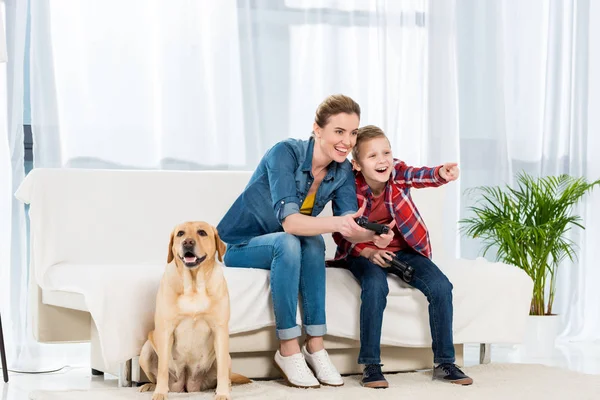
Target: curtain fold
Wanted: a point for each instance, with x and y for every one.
(5, 175)
(442, 135)
(14, 280)
(24, 353)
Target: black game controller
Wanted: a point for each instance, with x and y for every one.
(401, 269)
(377, 228)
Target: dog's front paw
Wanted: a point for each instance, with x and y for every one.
(222, 396)
(159, 396)
(147, 387)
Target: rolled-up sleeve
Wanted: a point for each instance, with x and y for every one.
(281, 168)
(344, 200)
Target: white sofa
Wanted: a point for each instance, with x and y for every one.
(99, 243)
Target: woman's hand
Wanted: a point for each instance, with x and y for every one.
(378, 257)
(351, 231)
(384, 240)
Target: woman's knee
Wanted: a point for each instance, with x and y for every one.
(286, 245)
(314, 245)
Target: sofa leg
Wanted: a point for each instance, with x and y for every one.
(135, 370)
(125, 374)
(485, 353)
(95, 372)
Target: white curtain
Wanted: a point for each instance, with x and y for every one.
(158, 86)
(528, 101)
(5, 175)
(13, 276)
(205, 84)
(23, 352)
(580, 298)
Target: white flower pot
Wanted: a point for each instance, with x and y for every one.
(540, 335)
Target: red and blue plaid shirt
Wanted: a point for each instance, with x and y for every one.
(399, 203)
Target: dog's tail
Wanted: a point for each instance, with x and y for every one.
(237, 379)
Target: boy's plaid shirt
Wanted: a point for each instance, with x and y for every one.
(399, 203)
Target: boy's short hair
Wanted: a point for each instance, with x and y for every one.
(365, 134)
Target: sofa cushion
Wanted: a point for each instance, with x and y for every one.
(121, 300)
(490, 301)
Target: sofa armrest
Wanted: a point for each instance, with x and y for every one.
(53, 324)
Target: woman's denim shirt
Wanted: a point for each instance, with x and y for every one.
(278, 187)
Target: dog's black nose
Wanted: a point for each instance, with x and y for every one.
(189, 242)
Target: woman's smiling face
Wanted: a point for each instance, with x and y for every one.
(337, 138)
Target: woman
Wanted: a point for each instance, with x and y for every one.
(272, 226)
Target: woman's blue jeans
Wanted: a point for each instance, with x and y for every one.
(297, 265)
(428, 279)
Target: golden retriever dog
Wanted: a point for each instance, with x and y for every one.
(188, 350)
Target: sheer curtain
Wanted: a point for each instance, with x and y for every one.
(157, 87)
(213, 84)
(24, 353)
(297, 52)
(5, 174)
(528, 95)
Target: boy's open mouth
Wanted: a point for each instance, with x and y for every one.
(381, 170)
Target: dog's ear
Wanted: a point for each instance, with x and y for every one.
(170, 255)
(221, 248)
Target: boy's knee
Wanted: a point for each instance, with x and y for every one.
(441, 287)
(375, 285)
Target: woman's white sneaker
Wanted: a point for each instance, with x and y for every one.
(295, 371)
(323, 368)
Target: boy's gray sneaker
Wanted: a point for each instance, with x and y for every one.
(450, 373)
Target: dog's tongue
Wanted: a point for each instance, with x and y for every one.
(189, 259)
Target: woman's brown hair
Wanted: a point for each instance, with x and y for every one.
(334, 105)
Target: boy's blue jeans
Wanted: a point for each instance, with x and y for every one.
(297, 265)
(428, 279)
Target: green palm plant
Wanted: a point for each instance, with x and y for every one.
(527, 226)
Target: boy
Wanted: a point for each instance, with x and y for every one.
(385, 183)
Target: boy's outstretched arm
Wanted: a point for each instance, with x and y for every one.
(422, 177)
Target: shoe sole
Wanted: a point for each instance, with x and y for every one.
(376, 385)
(320, 381)
(462, 382)
(288, 381)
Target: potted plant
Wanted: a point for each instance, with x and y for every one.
(527, 226)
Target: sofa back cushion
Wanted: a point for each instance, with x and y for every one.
(115, 216)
